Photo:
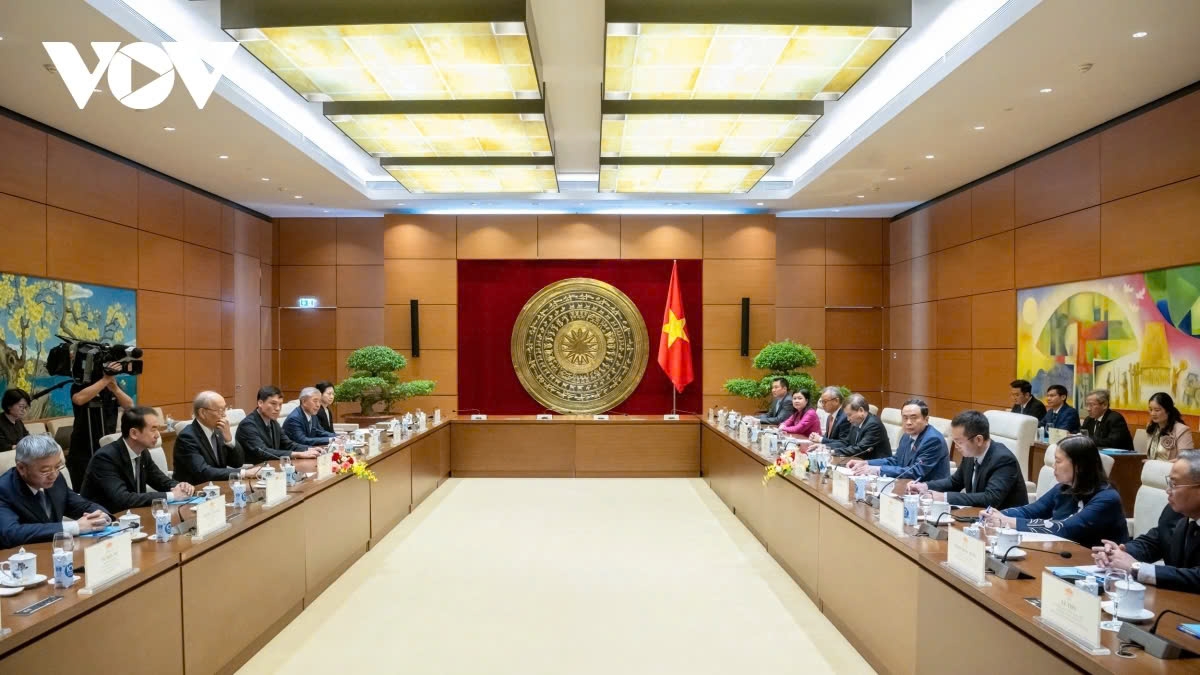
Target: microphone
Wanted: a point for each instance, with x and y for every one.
(932, 530)
(1004, 558)
(1152, 642)
(888, 485)
(1000, 566)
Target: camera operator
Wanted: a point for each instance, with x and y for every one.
(95, 407)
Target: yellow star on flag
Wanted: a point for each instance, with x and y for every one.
(674, 328)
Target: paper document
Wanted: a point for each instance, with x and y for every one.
(1038, 537)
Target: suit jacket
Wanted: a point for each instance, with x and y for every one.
(778, 412)
(928, 453)
(1084, 521)
(109, 480)
(1180, 570)
(22, 519)
(1110, 431)
(195, 461)
(997, 479)
(1065, 417)
(841, 429)
(298, 428)
(325, 417)
(263, 440)
(1034, 408)
(867, 441)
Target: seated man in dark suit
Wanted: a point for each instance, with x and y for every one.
(837, 425)
(866, 437)
(302, 425)
(781, 403)
(1176, 540)
(1059, 415)
(205, 450)
(121, 472)
(261, 437)
(34, 497)
(922, 455)
(989, 474)
(1024, 402)
(1106, 426)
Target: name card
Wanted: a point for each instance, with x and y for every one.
(670, 418)
(967, 555)
(744, 433)
(372, 445)
(1056, 435)
(210, 517)
(437, 416)
(108, 560)
(1072, 611)
(544, 416)
(712, 415)
(276, 489)
(478, 416)
(891, 514)
(842, 489)
(600, 417)
(324, 466)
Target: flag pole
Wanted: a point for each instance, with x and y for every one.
(674, 262)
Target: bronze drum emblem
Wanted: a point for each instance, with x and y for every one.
(580, 346)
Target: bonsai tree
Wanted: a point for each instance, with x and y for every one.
(373, 380)
(781, 359)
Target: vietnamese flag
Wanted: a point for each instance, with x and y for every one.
(674, 348)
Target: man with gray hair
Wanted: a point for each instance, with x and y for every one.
(205, 449)
(302, 425)
(837, 425)
(1106, 426)
(866, 437)
(35, 500)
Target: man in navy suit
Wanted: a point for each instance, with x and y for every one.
(1058, 414)
(260, 435)
(302, 425)
(922, 456)
(34, 497)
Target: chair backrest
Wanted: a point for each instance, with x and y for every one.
(942, 425)
(1151, 496)
(53, 424)
(1141, 441)
(1046, 474)
(36, 428)
(105, 440)
(1016, 431)
(160, 458)
(8, 459)
(873, 408)
(235, 416)
(891, 422)
(822, 417)
(181, 425)
(288, 408)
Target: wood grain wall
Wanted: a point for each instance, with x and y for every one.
(1126, 199)
(67, 212)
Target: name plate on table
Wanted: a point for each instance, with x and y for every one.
(670, 418)
(744, 433)
(544, 416)
(1071, 612)
(842, 489)
(1056, 435)
(479, 416)
(210, 518)
(600, 417)
(324, 466)
(108, 561)
(437, 416)
(276, 489)
(372, 445)
(967, 555)
(891, 514)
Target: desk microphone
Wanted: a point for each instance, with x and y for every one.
(1004, 558)
(1154, 644)
(874, 501)
(1009, 572)
(932, 530)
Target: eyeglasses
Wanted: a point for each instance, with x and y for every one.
(219, 411)
(50, 472)
(1172, 485)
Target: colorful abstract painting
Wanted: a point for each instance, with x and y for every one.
(35, 311)
(1133, 335)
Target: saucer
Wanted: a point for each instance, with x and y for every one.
(1144, 615)
(946, 520)
(1015, 554)
(5, 591)
(37, 579)
(139, 535)
(261, 484)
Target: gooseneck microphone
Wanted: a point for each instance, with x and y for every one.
(1004, 558)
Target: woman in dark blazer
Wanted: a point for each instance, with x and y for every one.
(325, 414)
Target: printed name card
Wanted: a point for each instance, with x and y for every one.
(842, 489)
(372, 445)
(276, 489)
(108, 560)
(1072, 611)
(891, 514)
(599, 417)
(437, 416)
(479, 416)
(967, 555)
(324, 466)
(210, 517)
(670, 418)
(744, 433)
(545, 416)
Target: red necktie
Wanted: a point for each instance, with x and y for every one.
(829, 430)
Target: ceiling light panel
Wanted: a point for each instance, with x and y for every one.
(448, 135)
(449, 179)
(734, 61)
(677, 178)
(701, 135)
(379, 62)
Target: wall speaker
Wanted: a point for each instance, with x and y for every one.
(745, 327)
(414, 319)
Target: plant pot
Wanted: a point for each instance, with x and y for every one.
(366, 421)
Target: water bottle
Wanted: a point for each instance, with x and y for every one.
(162, 526)
(239, 491)
(64, 559)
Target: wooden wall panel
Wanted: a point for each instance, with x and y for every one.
(805, 325)
(202, 220)
(994, 320)
(299, 368)
(923, 328)
(579, 236)
(417, 236)
(662, 237)
(268, 232)
(726, 282)
(723, 364)
(954, 374)
(160, 206)
(160, 263)
(23, 231)
(800, 241)
(439, 327)
(900, 283)
(78, 238)
(268, 285)
(992, 206)
(858, 369)
(991, 371)
(203, 371)
(950, 221)
(202, 271)
(799, 285)
(900, 240)
(429, 281)
(227, 277)
(23, 162)
(723, 326)
(955, 269)
(922, 233)
(953, 321)
(317, 281)
(853, 328)
(307, 241)
(83, 181)
(853, 241)
(228, 322)
(440, 365)
(739, 236)
(360, 241)
(1151, 230)
(202, 323)
(1157, 148)
(498, 237)
(1040, 249)
(924, 279)
(993, 263)
(1064, 181)
(359, 327)
(160, 320)
(247, 234)
(307, 328)
(360, 285)
(854, 286)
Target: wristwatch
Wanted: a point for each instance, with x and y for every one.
(1135, 570)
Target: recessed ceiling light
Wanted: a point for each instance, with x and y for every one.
(1046, 90)
(836, 210)
(980, 127)
(891, 178)
(168, 128)
(298, 197)
(324, 210)
(399, 203)
(861, 196)
(265, 179)
(222, 156)
(1140, 34)
(760, 203)
(928, 156)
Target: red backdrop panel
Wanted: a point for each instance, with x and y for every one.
(491, 294)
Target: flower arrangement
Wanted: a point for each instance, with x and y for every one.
(789, 461)
(347, 462)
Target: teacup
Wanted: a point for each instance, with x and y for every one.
(937, 509)
(212, 491)
(1006, 539)
(21, 567)
(860, 486)
(1133, 598)
(131, 521)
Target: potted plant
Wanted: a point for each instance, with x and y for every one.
(374, 385)
(781, 359)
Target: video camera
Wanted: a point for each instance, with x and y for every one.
(85, 361)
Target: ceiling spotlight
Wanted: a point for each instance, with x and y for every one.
(861, 196)
(928, 156)
(265, 179)
(760, 203)
(222, 156)
(1046, 90)
(324, 210)
(298, 197)
(891, 178)
(168, 128)
(836, 210)
(399, 203)
(1140, 34)
(979, 128)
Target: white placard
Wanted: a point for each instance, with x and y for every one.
(743, 433)
(670, 418)
(891, 514)
(1056, 435)
(544, 416)
(276, 488)
(600, 417)
(210, 517)
(109, 559)
(1071, 610)
(479, 416)
(372, 445)
(324, 466)
(967, 555)
(843, 490)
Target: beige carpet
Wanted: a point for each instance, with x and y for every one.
(564, 577)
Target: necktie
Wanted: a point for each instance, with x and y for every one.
(829, 426)
(274, 435)
(974, 476)
(218, 444)
(46, 505)
(137, 475)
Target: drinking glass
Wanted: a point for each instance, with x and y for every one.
(1116, 584)
(63, 542)
(926, 503)
(991, 533)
